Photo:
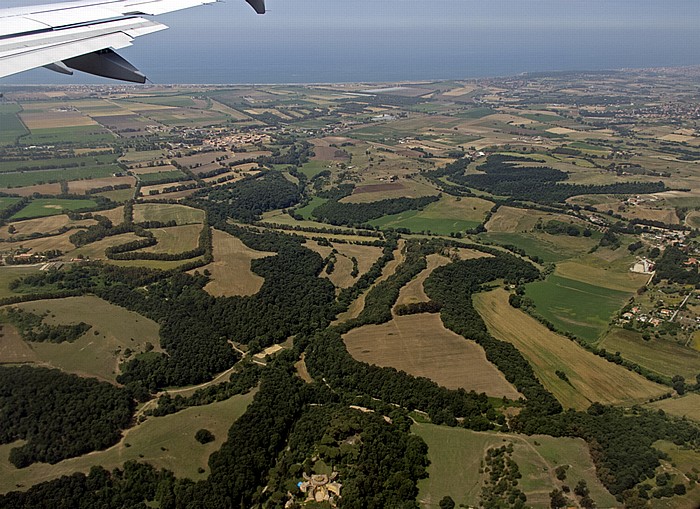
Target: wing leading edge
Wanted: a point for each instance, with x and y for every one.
(83, 35)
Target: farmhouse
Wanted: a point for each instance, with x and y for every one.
(643, 266)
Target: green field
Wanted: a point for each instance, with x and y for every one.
(306, 210)
(6, 201)
(30, 178)
(119, 196)
(443, 217)
(313, 168)
(59, 163)
(661, 356)
(550, 248)
(52, 207)
(165, 442)
(576, 307)
(10, 125)
(9, 273)
(83, 135)
(455, 458)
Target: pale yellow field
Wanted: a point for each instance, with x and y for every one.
(422, 346)
(44, 225)
(116, 215)
(341, 276)
(413, 291)
(684, 406)
(54, 119)
(592, 378)
(96, 250)
(615, 280)
(167, 212)
(59, 242)
(175, 239)
(164, 442)
(81, 186)
(230, 270)
(100, 350)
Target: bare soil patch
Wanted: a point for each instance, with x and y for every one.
(422, 346)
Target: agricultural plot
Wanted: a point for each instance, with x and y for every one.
(421, 346)
(615, 276)
(83, 186)
(78, 135)
(413, 292)
(44, 225)
(456, 459)
(97, 353)
(96, 250)
(684, 406)
(9, 273)
(175, 239)
(59, 242)
(6, 201)
(165, 442)
(448, 215)
(11, 180)
(307, 209)
(11, 127)
(660, 356)
(165, 212)
(341, 275)
(161, 176)
(590, 378)
(230, 271)
(51, 207)
(574, 306)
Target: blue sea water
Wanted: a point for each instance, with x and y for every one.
(312, 41)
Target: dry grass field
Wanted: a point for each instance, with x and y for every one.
(413, 291)
(44, 225)
(116, 215)
(230, 270)
(514, 220)
(341, 276)
(82, 186)
(165, 212)
(39, 188)
(591, 378)
(621, 279)
(684, 406)
(96, 250)
(55, 119)
(59, 242)
(164, 442)
(456, 457)
(100, 350)
(359, 304)
(420, 345)
(175, 239)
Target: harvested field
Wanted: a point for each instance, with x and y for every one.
(96, 250)
(59, 242)
(44, 225)
(684, 406)
(152, 169)
(13, 349)
(591, 378)
(55, 120)
(230, 270)
(116, 215)
(100, 350)
(622, 281)
(413, 291)
(165, 212)
(82, 186)
(514, 220)
(422, 346)
(341, 276)
(39, 188)
(165, 442)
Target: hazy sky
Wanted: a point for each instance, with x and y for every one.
(297, 38)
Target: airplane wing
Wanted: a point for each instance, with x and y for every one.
(83, 34)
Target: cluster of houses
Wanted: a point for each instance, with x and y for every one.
(636, 313)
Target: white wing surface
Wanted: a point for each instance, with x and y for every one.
(83, 34)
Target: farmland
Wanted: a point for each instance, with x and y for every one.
(576, 307)
(52, 206)
(167, 212)
(115, 332)
(456, 457)
(153, 441)
(421, 346)
(661, 356)
(591, 378)
(230, 271)
(413, 291)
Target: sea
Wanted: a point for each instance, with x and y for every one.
(329, 41)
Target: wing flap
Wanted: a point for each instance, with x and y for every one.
(37, 50)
